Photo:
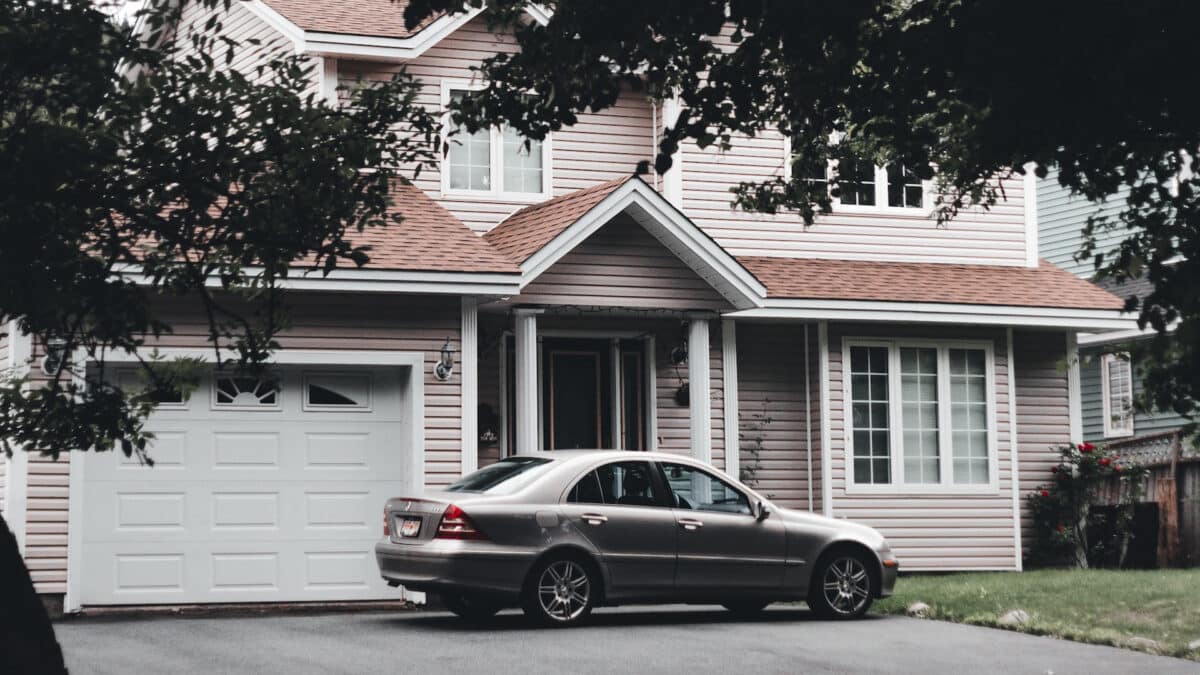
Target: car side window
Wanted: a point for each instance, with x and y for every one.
(701, 491)
(623, 483)
(587, 490)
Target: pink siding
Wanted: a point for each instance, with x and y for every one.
(1043, 409)
(930, 531)
(600, 147)
(771, 372)
(622, 265)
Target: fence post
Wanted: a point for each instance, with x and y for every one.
(1168, 509)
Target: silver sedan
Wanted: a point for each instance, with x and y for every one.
(561, 533)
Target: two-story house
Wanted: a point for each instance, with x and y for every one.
(1109, 375)
(913, 375)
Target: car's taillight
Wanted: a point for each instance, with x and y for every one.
(456, 525)
(387, 526)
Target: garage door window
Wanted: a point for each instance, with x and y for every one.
(133, 381)
(326, 391)
(247, 393)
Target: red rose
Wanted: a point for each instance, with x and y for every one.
(1060, 528)
(1117, 468)
(1086, 447)
(1054, 469)
(1045, 493)
(1104, 461)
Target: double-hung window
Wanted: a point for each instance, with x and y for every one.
(496, 161)
(1116, 373)
(920, 414)
(864, 186)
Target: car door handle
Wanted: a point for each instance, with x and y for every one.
(690, 523)
(594, 518)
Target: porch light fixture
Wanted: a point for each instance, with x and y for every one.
(56, 356)
(444, 368)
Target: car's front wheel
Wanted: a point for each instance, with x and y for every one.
(560, 592)
(470, 607)
(842, 587)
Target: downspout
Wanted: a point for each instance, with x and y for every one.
(808, 423)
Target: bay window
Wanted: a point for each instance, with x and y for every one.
(920, 414)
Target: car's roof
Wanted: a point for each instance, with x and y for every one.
(601, 453)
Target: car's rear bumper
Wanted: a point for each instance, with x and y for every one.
(450, 565)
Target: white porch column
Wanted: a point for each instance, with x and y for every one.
(469, 374)
(730, 405)
(526, 380)
(699, 395)
(1074, 388)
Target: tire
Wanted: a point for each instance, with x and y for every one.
(842, 586)
(470, 607)
(745, 608)
(560, 592)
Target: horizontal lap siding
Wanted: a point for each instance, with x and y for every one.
(773, 404)
(1092, 397)
(1061, 218)
(1043, 409)
(599, 147)
(930, 531)
(622, 265)
(242, 26)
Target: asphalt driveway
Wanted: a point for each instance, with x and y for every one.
(625, 640)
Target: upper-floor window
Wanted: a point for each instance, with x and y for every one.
(1116, 374)
(919, 414)
(497, 161)
(865, 186)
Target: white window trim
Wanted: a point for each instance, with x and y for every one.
(1111, 431)
(895, 413)
(450, 85)
(881, 196)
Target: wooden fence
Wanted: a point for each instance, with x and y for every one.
(1173, 483)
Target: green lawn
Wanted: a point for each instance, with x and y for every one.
(1099, 606)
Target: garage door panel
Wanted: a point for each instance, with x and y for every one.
(248, 506)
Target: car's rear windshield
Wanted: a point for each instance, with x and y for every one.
(490, 478)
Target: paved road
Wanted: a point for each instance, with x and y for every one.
(690, 640)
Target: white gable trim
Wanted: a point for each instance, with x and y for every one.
(346, 45)
(932, 312)
(666, 224)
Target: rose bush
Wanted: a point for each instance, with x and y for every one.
(1060, 508)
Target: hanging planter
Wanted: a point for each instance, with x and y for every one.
(682, 395)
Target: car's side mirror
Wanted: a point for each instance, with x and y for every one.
(761, 510)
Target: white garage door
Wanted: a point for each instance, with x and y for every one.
(261, 490)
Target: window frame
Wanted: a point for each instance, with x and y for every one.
(313, 376)
(216, 405)
(946, 484)
(881, 191)
(1111, 431)
(496, 156)
(658, 486)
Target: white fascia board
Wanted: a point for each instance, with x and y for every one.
(902, 312)
(670, 227)
(277, 21)
(1092, 339)
(383, 281)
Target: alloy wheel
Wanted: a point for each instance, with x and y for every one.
(847, 586)
(564, 590)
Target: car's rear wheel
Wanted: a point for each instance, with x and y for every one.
(842, 586)
(560, 592)
(745, 607)
(470, 607)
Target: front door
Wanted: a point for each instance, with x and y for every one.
(721, 545)
(619, 508)
(593, 393)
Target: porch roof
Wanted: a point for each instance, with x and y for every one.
(854, 280)
(429, 239)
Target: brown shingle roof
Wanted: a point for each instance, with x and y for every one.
(378, 18)
(1042, 286)
(525, 232)
(429, 239)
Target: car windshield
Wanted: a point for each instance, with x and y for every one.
(503, 472)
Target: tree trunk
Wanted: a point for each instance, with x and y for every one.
(27, 642)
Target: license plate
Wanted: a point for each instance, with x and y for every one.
(410, 527)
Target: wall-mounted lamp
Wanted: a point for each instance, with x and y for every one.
(444, 368)
(56, 356)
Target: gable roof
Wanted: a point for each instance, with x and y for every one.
(377, 18)
(1043, 286)
(540, 235)
(525, 232)
(429, 238)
